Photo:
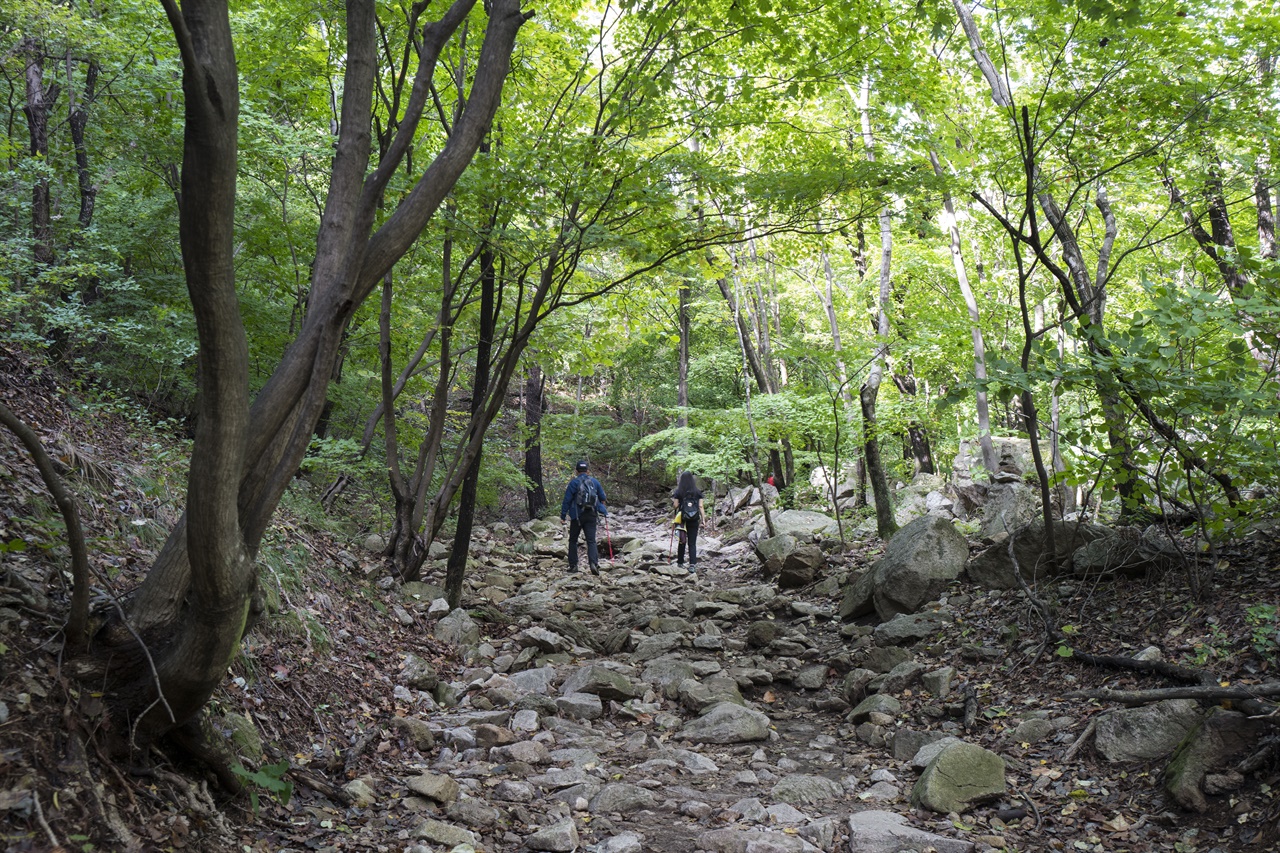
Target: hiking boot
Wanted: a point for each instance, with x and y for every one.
(595, 569)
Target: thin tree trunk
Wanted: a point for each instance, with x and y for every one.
(682, 389)
(886, 526)
(39, 103)
(989, 459)
(534, 407)
(78, 120)
(455, 571)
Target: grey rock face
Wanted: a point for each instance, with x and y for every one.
(912, 627)
(418, 674)
(560, 837)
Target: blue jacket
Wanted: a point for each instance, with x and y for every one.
(569, 506)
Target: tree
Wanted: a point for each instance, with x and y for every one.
(161, 659)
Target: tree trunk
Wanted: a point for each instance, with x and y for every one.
(78, 121)
(455, 571)
(886, 526)
(682, 389)
(989, 459)
(38, 105)
(534, 407)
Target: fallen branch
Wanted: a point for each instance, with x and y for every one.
(1156, 667)
(1245, 697)
(1070, 754)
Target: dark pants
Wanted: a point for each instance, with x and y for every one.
(690, 533)
(588, 528)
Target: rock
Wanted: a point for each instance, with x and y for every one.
(417, 731)
(1216, 743)
(622, 797)
(858, 600)
(655, 646)
(901, 677)
(938, 682)
(918, 564)
(580, 706)
(361, 793)
(802, 789)
(1146, 732)
(375, 543)
(458, 629)
(441, 789)
(959, 776)
(877, 703)
(993, 568)
(804, 525)
(560, 836)
(726, 722)
(1033, 731)
(762, 632)
(774, 552)
(243, 735)
(887, 832)
(438, 832)
(885, 658)
(418, 674)
(913, 627)
(801, 567)
(602, 681)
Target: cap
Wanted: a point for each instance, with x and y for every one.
(582, 465)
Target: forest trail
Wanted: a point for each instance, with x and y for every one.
(594, 719)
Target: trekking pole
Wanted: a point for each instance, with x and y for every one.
(608, 537)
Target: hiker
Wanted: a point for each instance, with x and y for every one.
(584, 503)
(687, 498)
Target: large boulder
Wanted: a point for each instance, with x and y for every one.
(803, 524)
(774, 552)
(1128, 553)
(959, 776)
(920, 561)
(993, 568)
(1146, 732)
(801, 567)
(1216, 744)
(1007, 507)
(858, 599)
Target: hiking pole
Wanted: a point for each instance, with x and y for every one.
(608, 537)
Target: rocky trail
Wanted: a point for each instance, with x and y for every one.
(646, 709)
(652, 710)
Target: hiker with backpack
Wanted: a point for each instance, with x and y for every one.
(584, 504)
(687, 498)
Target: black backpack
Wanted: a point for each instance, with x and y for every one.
(689, 507)
(588, 500)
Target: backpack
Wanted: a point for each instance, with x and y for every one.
(689, 506)
(588, 500)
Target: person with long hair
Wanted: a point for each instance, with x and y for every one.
(687, 498)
